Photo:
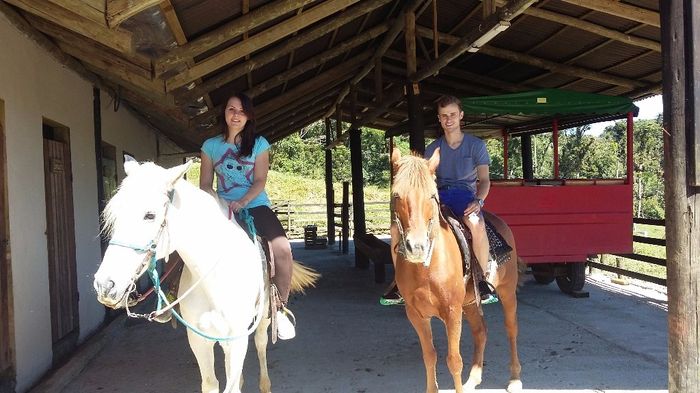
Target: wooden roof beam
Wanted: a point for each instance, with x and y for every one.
(388, 39)
(260, 40)
(175, 27)
(542, 63)
(319, 59)
(272, 54)
(487, 30)
(594, 28)
(225, 33)
(119, 40)
(334, 75)
(117, 11)
(621, 10)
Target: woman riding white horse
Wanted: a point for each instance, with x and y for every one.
(222, 291)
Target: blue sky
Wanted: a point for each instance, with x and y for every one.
(649, 108)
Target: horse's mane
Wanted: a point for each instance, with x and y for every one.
(413, 173)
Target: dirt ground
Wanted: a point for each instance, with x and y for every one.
(346, 342)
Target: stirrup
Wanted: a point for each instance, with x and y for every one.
(286, 324)
(490, 296)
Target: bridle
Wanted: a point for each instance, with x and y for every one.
(149, 265)
(401, 246)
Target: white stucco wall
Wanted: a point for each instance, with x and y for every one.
(34, 86)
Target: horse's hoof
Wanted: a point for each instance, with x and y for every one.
(471, 385)
(514, 386)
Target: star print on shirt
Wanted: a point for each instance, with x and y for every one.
(233, 171)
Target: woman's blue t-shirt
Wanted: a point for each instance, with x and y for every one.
(235, 174)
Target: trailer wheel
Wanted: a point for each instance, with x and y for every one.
(574, 279)
(543, 274)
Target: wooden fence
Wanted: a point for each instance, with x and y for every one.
(295, 215)
(638, 257)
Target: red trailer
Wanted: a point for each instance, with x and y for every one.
(557, 222)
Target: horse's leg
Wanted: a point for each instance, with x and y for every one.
(425, 335)
(234, 354)
(203, 350)
(453, 325)
(261, 346)
(478, 327)
(510, 303)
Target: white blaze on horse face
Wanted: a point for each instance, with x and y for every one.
(416, 230)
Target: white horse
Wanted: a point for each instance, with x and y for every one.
(223, 290)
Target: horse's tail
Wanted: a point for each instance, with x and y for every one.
(303, 277)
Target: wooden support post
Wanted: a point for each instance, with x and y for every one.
(555, 146)
(680, 22)
(504, 132)
(416, 136)
(330, 200)
(526, 151)
(358, 197)
(410, 36)
(345, 216)
(630, 148)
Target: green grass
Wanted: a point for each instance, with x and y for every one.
(307, 198)
(652, 231)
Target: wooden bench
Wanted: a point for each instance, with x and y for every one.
(378, 251)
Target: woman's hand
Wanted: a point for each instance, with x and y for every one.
(236, 206)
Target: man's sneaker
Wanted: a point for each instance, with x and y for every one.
(486, 293)
(285, 324)
(392, 298)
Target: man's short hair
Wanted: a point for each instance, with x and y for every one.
(446, 100)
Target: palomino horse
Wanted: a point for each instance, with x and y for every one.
(429, 274)
(223, 291)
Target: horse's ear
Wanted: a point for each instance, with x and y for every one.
(395, 157)
(130, 164)
(434, 161)
(176, 173)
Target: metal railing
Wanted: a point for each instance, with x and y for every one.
(638, 257)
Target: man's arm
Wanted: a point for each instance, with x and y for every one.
(484, 184)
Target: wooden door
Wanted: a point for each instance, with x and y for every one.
(60, 236)
(7, 342)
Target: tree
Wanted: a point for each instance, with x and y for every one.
(648, 163)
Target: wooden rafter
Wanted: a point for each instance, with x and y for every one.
(118, 40)
(260, 40)
(587, 52)
(330, 76)
(272, 54)
(543, 63)
(87, 9)
(117, 11)
(622, 10)
(319, 59)
(582, 24)
(290, 61)
(223, 34)
(175, 27)
(388, 39)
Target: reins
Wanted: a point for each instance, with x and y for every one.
(149, 265)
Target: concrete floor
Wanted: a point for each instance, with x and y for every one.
(616, 340)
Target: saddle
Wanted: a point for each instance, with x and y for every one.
(499, 250)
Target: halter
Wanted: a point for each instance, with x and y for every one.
(149, 265)
(431, 238)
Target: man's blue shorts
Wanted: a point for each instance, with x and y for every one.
(456, 199)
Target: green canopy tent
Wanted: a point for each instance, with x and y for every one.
(533, 111)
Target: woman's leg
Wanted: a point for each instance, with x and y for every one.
(268, 225)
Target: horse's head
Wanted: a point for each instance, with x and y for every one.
(135, 221)
(415, 205)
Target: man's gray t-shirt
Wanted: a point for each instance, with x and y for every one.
(458, 166)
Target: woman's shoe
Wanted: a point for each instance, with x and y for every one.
(392, 298)
(286, 322)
